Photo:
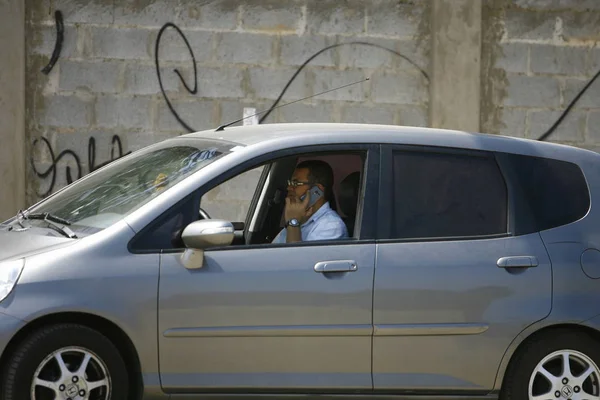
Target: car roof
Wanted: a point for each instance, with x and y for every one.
(299, 134)
(253, 134)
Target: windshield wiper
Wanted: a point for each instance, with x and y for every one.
(49, 217)
(20, 216)
(54, 221)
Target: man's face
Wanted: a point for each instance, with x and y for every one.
(300, 175)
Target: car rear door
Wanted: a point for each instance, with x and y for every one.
(455, 283)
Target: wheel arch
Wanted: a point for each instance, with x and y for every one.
(106, 327)
(518, 346)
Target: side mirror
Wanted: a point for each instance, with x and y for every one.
(200, 235)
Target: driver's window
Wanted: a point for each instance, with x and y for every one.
(231, 199)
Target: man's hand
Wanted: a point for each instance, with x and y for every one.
(296, 208)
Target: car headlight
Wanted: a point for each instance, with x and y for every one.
(9, 275)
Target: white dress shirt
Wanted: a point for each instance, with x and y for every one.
(325, 224)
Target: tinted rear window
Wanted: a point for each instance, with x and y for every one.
(441, 195)
(554, 191)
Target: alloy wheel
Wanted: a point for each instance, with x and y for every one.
(71, 373)
(565, 375)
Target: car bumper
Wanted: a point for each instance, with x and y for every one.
(9, 326)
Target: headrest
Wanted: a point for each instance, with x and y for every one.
(348, 199)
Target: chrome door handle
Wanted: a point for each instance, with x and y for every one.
(336, 266)
(517, 262)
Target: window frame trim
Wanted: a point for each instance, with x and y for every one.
(519, 194)
(190, 197)
(386, 199)
(367, 212)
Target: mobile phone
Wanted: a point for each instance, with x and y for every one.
(315, 194)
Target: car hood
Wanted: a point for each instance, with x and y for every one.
(21, 244)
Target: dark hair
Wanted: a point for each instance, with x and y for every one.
(319, 172)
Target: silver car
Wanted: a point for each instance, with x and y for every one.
(472, 270)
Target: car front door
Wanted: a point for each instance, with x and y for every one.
(268, 318)
(454, 284)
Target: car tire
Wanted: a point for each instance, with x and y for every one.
(37, 357)
(527, 373)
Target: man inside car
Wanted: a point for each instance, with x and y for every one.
(308, 214)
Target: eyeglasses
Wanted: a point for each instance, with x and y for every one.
(293, 182)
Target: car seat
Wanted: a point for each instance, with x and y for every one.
(348, 199)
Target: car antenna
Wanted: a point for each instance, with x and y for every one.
(220, 128)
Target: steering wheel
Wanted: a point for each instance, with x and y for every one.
(204, 214)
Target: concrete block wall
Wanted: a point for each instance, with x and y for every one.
(105, 81)
(537, 56)
(533, 57)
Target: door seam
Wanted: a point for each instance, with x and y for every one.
(373, 317)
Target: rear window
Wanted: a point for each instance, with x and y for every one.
(554, 191)
(443, 195)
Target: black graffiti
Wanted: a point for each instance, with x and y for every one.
(53, 168)
(116, 141)
(564, 114)
(194, 91)
(394, 52)
(157, 63)
(59, 41)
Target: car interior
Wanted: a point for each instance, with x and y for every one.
(265, 217)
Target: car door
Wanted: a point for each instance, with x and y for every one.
(454, 283)
(264, 318)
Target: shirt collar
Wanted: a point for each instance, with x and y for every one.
(320, 212)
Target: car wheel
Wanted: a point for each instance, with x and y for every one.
(65, 361)
(561, 365)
